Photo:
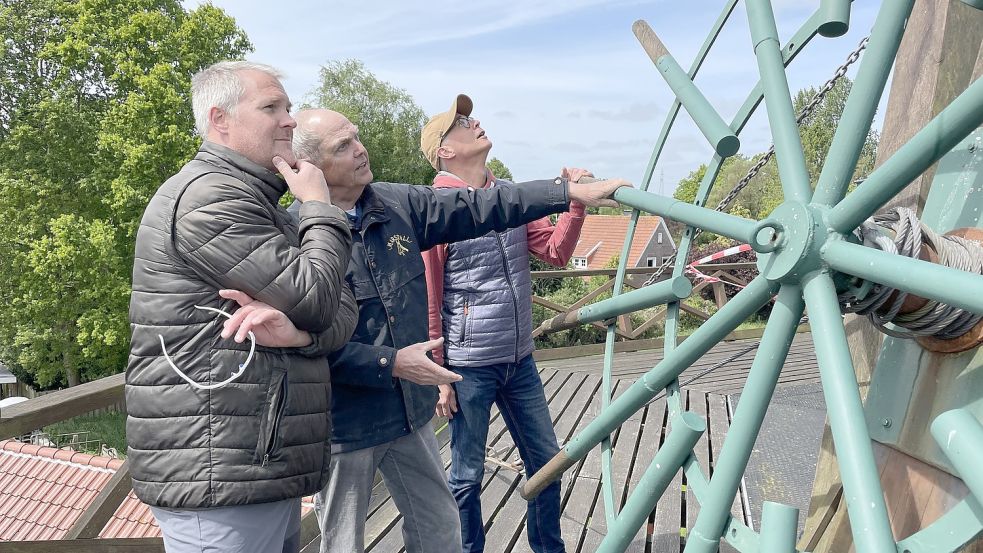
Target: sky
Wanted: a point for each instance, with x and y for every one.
(555, 82)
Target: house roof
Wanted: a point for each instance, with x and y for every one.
(44, 490)
(603, 236)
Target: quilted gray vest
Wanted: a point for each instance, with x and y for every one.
(487, 309)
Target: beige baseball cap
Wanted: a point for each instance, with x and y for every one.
(439, 125)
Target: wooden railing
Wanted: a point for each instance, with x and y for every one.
(722, 272)
(62, 405)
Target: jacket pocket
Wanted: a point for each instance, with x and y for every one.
(464, 323)
(270, 440)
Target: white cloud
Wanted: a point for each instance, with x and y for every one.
(554, 82)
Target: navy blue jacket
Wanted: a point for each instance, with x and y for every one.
(397, 222)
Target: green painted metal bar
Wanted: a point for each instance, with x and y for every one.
(796, 43)
(836, 15)
(705, 535)
(844, 410)
(960, 436)
(793, 47)
(858, 113)
(778, 527)
(713, 127)
(950, 532)
(686, 430)
(730, 316)
(607, 389)
(799, 40)
(928, 280)
(939, 136)
(978, 4)
(607, 485)
(778, 101)
(724, 224)
(660, 293)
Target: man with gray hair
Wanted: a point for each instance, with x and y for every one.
(224, 437)
(384, 381)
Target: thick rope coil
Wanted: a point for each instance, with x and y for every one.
(933, 319)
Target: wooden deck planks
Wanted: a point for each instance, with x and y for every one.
(573, 391)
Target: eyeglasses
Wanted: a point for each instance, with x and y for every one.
(463, 121)
(235, 374)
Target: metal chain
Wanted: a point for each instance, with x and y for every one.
(756, 168)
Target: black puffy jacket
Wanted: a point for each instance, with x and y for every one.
(265, 437)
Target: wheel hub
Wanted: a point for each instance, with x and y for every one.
(789, 241)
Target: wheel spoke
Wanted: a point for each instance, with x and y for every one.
(928, 280)
(940, 135)
(722, 323)
(760, 385)
(858, 113)
(778, 101)
(861, 480)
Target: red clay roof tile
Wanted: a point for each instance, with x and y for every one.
(44, 490)
(63, 454)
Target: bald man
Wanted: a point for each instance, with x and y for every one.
(383, 381)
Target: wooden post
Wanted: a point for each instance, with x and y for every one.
(95, 517)
(719, 295)
(939, 56)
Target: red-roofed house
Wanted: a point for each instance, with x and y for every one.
(44, 490)
(603, 237)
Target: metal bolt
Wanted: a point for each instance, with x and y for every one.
(886, 423)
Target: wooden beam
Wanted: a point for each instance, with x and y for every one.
(553, 354)
(114, 545)
(719, 296)
(694, 311)
(660, 315)
(98, 513)
(61, 405)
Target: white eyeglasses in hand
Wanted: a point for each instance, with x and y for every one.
(236, 374)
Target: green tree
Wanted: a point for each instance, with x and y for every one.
(499, 169)
(818, 128)
(96, 116)
(688, 187)
(388, 119)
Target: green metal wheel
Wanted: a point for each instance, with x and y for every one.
(807, 254)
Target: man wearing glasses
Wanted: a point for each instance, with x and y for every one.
(383, 381)
(480, 303)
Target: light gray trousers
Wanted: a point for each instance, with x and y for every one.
(260, 528)
(413, 473)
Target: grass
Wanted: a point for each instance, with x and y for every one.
(103, 428)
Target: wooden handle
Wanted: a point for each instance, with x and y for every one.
(649, 40)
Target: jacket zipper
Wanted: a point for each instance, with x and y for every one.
(464, 323)
(279, 408)
(515, 303)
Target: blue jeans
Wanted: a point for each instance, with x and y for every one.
(518, 391)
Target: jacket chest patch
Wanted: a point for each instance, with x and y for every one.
(399, 243)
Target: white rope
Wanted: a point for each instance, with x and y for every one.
(236, 374)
